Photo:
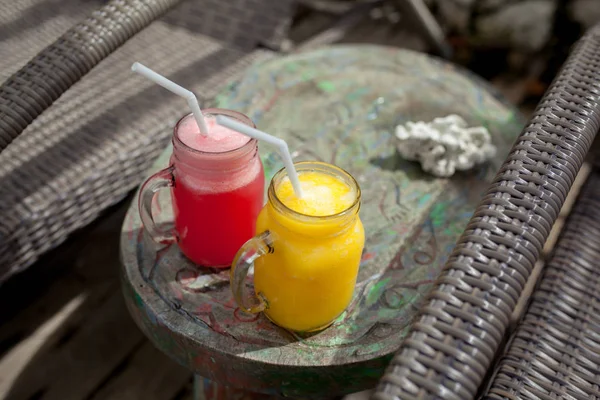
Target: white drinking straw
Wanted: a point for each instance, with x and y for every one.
(175, 88)
(279, 144)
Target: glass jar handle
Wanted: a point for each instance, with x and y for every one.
(254, 248)
(161, 179)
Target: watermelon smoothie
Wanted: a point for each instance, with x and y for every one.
(217, 189)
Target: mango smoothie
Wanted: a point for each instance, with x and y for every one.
(311, 247)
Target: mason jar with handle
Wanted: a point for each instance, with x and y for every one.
(307, 252)
(217, 190)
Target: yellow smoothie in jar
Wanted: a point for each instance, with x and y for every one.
(308, 278)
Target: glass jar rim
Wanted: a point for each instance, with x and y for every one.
(251, 143)
(320, 167)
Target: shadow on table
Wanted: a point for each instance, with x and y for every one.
(395, 162)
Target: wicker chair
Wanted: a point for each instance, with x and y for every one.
(554, 353)
(60, 169)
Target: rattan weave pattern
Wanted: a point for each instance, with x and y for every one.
(555, 351)
(241, 23)
(32, 89)
(97, 141)
(452, 342)
(28, 26)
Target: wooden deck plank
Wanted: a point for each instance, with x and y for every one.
(15, 361)
(76, 340)
(81, 264)
(49, 321)
(148, 375)
(74, 366)
(43, 309)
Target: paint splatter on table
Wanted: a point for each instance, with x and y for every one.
(339, 105)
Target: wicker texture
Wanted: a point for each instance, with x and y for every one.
(453, 341)
(30, 91)
(97, 141)
(28, 26)
(555, 351)
(241, 23)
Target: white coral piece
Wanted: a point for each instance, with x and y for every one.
(445, 145)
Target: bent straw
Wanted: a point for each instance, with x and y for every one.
(279, 144)
(175, 88)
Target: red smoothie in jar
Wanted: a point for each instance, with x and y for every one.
(218, 190)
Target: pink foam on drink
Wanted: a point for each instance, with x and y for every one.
(218, 140)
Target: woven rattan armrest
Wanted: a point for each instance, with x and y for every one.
(31, 90)
(455, 337)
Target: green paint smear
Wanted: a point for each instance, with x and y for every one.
(291, 67)
(220, 100)
(437, 214)
(326, 86)
(357, 93)
(376, 291)
(307, 75)
(453, 230)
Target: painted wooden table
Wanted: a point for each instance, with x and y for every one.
(339, 105)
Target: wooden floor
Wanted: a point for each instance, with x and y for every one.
(65, 333)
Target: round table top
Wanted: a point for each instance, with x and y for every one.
(340, 105)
